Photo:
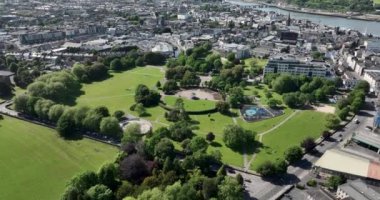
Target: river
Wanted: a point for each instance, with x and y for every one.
(369, 27)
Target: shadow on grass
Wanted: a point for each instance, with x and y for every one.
(215, 144)
(73, 137)
(145, 115)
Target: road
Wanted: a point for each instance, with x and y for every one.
(257, 188)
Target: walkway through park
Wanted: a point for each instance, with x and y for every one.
(247, 164)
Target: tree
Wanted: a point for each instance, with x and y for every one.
(41, 108)
(281, 166)
(235, 136)
(180, 131)
(210, 137)
(158, 84)
(170, 87)
(332, 121)
(209, 188)
(284, 84)
(132, 134)
(198, 144)
(116, 64)
(190, 79)
(71, 193)
(231, 57)
(110, 126)
(273, 103)
(107, 175)
(140, 109)
(223, 107)
(84, 181)
(164, 149)
(266, 169)
(21, 103)
(99, 192)
(293, 154)
(235, 97)
(308, 144)
(126, 189)
(146, 97)
(118, 114)
(239, 179)
(133, 168)
(334, 181)
(66, 126)
(152, 58)
(326, 134)
(343, 113)
(363, 85)
(92, 120)
(230, 189)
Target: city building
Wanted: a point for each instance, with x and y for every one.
(336, 162)
(373, 78)
(296, 67)
(357, 190)
(368, 140)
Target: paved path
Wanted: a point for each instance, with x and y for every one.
(4, 109)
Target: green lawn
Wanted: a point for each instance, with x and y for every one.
(377, 2)
(36, 164)
(261, 95)
(117, 92)
(215, 123)
(191, 105)
(300, 126)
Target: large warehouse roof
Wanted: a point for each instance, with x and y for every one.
(344, 162)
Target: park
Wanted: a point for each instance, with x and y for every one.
(222, 113)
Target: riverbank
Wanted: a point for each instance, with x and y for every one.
(365, 17)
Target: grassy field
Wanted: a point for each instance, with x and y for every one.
(215, 123)
(117, 92)
(300, 126)
(191, 105)
(36, 164)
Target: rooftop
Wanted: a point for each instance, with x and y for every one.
(337, 160)
(357, 189)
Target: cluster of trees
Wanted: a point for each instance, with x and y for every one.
(57, 86)
(178, 112)
(149, 169)
(236, 137)
(334, 5)
(300, 90)
(90, 71)
(146, 96)
(198, 59)
(228, 78)
(25, 71)
(354, 101)
(70, 120)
